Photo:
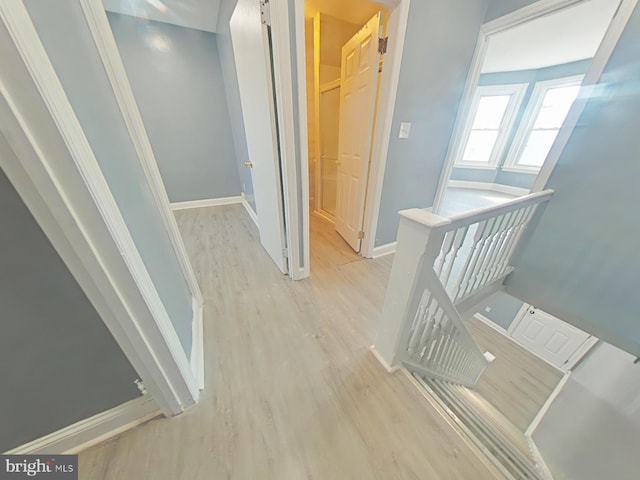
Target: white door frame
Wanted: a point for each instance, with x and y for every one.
(525, 14)
(55, 172)
(293, 123)
(102, 34)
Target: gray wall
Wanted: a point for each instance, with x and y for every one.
(440, 40)
(228, 63)
(591, 430)
(68, 42)
(58, 362)
(503, 309)
(579, 261)
(180, 93)
(531, 77)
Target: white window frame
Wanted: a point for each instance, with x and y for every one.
(517, 91)
(528, 119)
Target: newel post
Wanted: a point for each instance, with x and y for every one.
(419, 241)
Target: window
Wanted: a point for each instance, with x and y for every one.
(549, 105)
(490, 119)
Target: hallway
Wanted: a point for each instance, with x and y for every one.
(292, 389)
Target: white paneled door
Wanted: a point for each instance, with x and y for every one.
(548, 337)
(252, 55)
(359, 80)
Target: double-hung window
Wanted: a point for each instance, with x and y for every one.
(549, 105)
(493, 111)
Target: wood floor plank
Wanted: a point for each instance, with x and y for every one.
(292, 390)
(517, 383)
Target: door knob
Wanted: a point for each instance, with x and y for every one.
(248, 164)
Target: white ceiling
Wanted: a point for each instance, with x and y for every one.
(198, 14)
(571, 34)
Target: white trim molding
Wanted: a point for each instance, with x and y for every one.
(396, 30)
(250, 210)
(491, 324)
(529, 117)
(382, 361)
(94, 430)
(197, 344)
(388, 89)
(493, 187)
(208, 202)
(54, 170)
(516, 93)
(386, 249)
(518, 17)
(591, 78)
(292, 128)
(98, 23)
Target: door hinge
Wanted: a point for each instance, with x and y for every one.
(265, 12)
(382, 45)
(285, 253)
(360, 235)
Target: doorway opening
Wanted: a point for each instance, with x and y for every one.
(518, 110)
(344, 58)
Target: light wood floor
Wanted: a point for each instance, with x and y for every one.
(517, 383)
(292, 391)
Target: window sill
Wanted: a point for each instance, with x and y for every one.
(475, 167)
(513, 169)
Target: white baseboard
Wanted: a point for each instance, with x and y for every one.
(197, 344)
(494, 187)
(208, 202)
(249, 210)
(491, 323)
(383, 250)
(324, 216)
(382, 361)
(93, 430)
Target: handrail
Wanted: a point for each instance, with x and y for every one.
(442, 263)
(485, 213)
(432, 220)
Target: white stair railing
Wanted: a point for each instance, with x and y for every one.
(443, 269)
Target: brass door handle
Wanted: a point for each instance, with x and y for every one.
(248, 164)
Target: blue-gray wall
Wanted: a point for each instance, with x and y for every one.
(498, 8)
(439, 44)
(579, 261)
(531, 77)
(68, 42)
(503, 309)
(176, 78)
(58, 362)
(591, 430)
(228, 63)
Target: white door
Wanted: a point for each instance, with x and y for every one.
(359, 79)
(548, 337)
(253, 65)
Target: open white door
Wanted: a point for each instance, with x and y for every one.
(359, 80)
(252, 56)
